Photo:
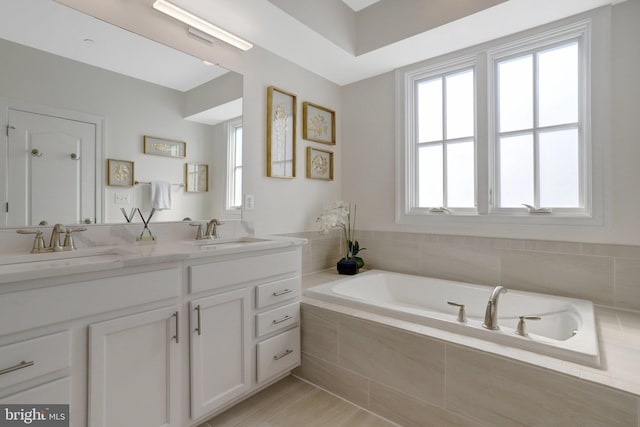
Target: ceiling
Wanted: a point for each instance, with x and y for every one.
(341, 40)
(65, 32)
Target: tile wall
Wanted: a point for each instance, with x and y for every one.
(419, 381)
(606, 274)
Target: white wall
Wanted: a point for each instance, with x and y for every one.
(131, 109)
(369, 148)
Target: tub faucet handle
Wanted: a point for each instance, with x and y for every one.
(522, 325)
(462, 315)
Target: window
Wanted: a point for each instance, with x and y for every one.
(445, 145)
(501, 133)
(540, 151)
(234, 166)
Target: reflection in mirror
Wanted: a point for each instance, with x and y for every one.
(78, 91)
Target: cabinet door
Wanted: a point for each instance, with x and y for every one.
(220, 354)
(134, 369)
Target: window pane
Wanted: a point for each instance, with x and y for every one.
(559, 169)
(558, 85)
(460, 105)
(430, 110)
(430, 193)
(460, 175)
(515, 93)
(237, 190)
(238, 147)
(516, 171)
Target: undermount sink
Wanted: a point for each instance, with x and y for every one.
(49, 264)
(233, 242)
(54, 257)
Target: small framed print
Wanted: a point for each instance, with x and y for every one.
(281, 133)
(164, 147)
(319, 164)
(120, 173)
(318, 123)
(197, 177)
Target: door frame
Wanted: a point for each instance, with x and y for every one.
(100, 125)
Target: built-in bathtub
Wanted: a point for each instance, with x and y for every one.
(566, 330)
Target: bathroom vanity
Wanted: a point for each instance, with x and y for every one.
(162, 335)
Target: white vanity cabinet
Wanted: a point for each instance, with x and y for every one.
(157, 342)
(134, 370)
(102, 342)
(244, 327)
(220, 356)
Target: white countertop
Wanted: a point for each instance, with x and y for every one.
(618, 333)
(22, 267)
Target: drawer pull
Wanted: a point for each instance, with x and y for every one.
(280, 356)
(19, 366)
(199, 327)
(286, 291)
(284, 319)
(177, 335)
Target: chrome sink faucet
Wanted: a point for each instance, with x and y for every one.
(491, 313)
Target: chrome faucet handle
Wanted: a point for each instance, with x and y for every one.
(462, 314)
(38, 243)
(522, 325)
(200, 232)
(69, 244)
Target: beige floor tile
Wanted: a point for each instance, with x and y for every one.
(316, 409)
(365, 419)
(499, 392)
(406, 362)
(319, 332)
(337, 380)
(263, 405)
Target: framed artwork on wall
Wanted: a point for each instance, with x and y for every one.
(164, 147)
(120, 173)
(197, 178)
(281, 133)
(318, 123)
(319, 164)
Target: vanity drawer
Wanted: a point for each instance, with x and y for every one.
(277, 319)
(276, 292)
(278, 354)
(220, 274)
(26, 360)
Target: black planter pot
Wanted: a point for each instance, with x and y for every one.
(347, 266)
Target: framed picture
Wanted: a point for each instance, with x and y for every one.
(197, 177)
(164, 147)
(281, 133)
(120, 173)
(319, 164)
(318, 123)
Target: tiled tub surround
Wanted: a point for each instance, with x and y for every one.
(565, 328)
(605, 274)
(420, 376)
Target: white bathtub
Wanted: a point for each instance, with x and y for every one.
(566, 331)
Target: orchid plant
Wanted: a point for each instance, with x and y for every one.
(339, 216)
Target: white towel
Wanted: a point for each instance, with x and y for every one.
(161, 195)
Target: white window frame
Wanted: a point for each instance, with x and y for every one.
(232, 125)
(595, 135)
(580, 33)
(410, 83)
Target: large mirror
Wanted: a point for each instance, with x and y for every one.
(76, 92)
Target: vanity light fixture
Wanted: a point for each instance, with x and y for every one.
(200, 24)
